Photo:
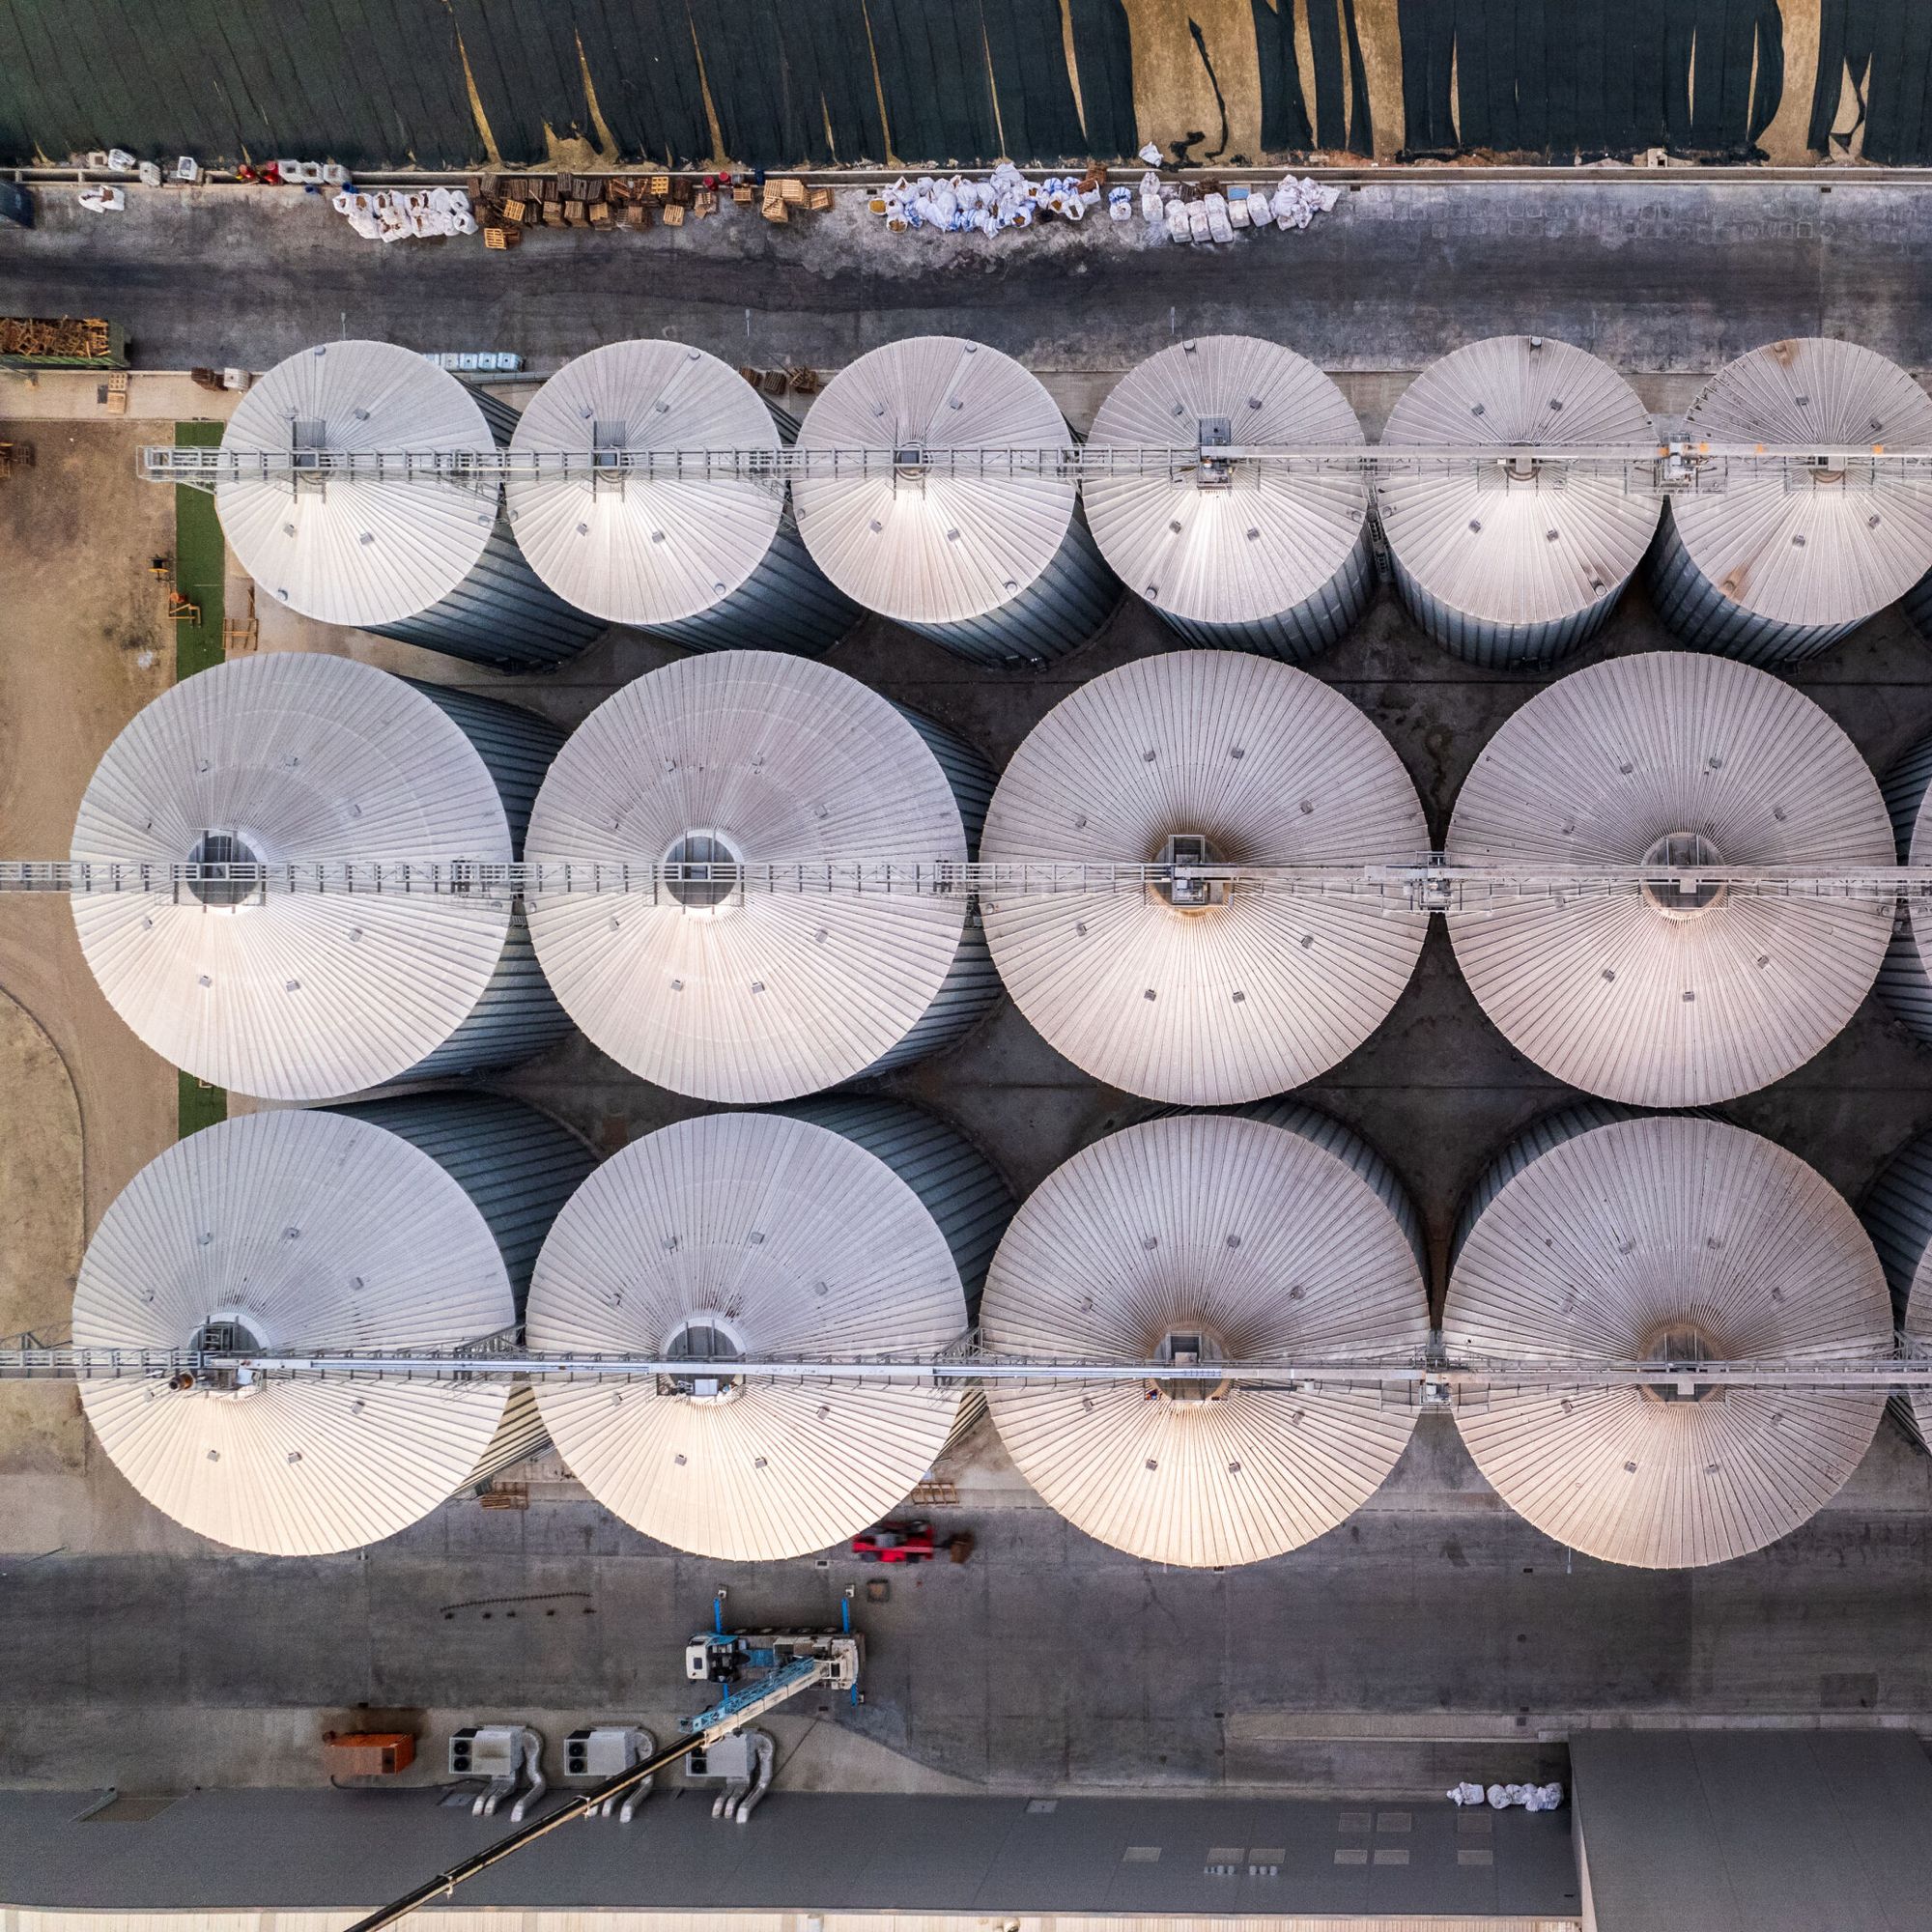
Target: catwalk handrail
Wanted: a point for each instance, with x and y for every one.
(1438, 1372)
(1430, 882)
(1667, 465)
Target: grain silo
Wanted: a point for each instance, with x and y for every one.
(1655, 995)
(1514, 562)
(697, 549)
(392, 548)
(1778, 563)
(947, 508)
(396, 1225)
(845, 1229)
(1273, 1235)
(1664, 1239)
(797, 979)
(307, 761)
(1905, 980)
(1898, 1213)
(1243, 554)
(1198, 994)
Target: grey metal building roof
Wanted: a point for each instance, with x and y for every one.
(1753, 1832)
(1131, 1859)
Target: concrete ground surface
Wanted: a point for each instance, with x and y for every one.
(1653, 273)
(1435, 1636)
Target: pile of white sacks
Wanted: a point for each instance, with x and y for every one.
(1006, 199)
(1500, 1797)
(390, 215)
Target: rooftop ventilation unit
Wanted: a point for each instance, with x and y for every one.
(995, 564)
(1514, 562)
(841, 1227)
(1197, 1237)
(736, 991)
(299, 760)
(1682, 1242)
(1187, 990)
(401, 1224)
(1685, 991)
(705, 557)
(426, 559)
(1775, 568)
(1235, 554)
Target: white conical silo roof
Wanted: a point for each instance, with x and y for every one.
(1621, 1244)
(1529, 551)
(1243, 999)
(1266, 1246)
(658, 549)
(1606, 990)
(939, 547)
(357, 553)
(785, 1240)
(1274, 538)
(308, 1228)
(306, 760)
(1787, 548)
(771, 994)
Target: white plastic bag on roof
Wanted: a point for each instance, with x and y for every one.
(1177, 220)
(1464, 1793)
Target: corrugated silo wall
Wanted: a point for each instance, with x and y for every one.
(787, 604)
(519, 1167)
(958, 1186)
(1502, 647)
(972, 984)
(518, 1016)
(1700, 615)
(1902, 980)
(1918, 606)
(1898, 1213)
(502, 613)
(1298, 635)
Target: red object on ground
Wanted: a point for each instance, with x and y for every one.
(894, 1543)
